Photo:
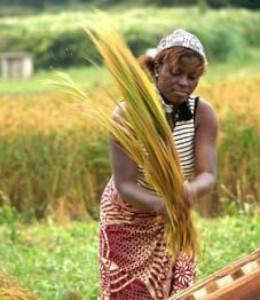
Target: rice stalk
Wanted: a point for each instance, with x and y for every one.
(9, 290)
(143, 131)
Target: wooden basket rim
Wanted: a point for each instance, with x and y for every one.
(229, 269)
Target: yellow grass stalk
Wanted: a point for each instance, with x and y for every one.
(143, 131)
(9, 290)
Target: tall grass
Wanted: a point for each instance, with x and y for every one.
(239, 140)
(49, 157)
(9, 289)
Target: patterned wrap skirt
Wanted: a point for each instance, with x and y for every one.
(133, 261)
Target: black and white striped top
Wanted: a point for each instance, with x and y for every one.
(183, 135)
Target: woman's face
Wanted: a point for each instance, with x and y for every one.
(177, 82)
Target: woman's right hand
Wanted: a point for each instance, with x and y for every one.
(189, 192)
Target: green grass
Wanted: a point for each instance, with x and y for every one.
(90, 77)
(247, 68)
(226, 239)
(87, 77)
(52, 261)
(61, 262)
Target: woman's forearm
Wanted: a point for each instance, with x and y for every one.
(141, 198)
(202, 185)
(148, 201)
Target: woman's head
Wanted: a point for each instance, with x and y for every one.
(177, 66)
(177, 71)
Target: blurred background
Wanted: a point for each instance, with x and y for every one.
(54, 165)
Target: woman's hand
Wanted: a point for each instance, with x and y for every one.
(190, 194)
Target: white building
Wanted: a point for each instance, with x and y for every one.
(16, 65)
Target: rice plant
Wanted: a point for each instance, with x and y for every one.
(9, 289)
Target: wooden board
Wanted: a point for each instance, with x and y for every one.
(238, 281)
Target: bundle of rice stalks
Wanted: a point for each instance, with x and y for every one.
(9, 290)
(143, 131)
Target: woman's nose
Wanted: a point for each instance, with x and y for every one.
(183, 80)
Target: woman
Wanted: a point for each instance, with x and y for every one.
(134, 262)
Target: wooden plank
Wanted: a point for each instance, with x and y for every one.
(222, 279)
(245, 288)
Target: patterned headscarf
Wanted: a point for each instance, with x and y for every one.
(180, 37)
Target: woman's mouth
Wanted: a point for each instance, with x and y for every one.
(180, 93)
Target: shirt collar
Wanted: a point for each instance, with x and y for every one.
(182, 114)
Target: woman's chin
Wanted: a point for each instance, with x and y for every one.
(179, 99)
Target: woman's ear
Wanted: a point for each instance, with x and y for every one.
(157, 69)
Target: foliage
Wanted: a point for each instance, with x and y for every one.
(221, 42)
(238, 147)
(224, 33)
(55, 262)
(9, 289)
(239, 139)
(253, 4)
(50, 158)
(220, 246)
(60, 262)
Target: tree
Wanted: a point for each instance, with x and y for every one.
(218, 3)
(252, 4)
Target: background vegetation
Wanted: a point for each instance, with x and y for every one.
(61, 263)
(225, 33)
(54, 165)
(49, 156)
(253, 4)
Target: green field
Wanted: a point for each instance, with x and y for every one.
(60, 262)
(88, 77)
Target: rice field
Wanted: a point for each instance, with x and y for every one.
(49, 153)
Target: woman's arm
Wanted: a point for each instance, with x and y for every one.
(206, 128)
(125, 176)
